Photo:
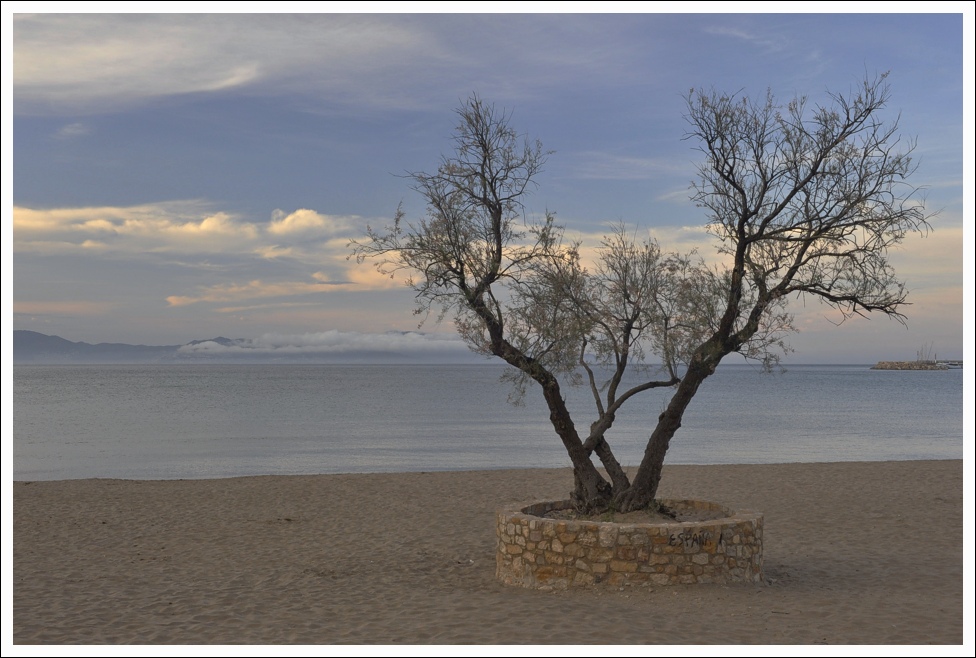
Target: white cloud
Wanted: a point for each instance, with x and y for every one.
(333, 342)
(72, 130)
(96, 61)
(680, 196)
(75, 63)
(304, 220)
(184, 226)
(179, 226)
(84, 58)
(303, 252)
(771, 43)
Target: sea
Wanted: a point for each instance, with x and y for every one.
(217, 421)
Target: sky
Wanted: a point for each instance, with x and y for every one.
(174, 177)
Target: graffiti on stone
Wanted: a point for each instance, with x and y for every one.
(694, 539)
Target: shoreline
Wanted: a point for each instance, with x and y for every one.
(855, 553)
(630, 469)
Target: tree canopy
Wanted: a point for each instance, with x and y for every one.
(804, 201)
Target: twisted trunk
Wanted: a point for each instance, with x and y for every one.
(590, 491)
(609, 460)
(643, 489)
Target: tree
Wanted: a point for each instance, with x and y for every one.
(516, 291)
(801, 205)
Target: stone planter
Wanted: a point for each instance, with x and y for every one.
(547, 553)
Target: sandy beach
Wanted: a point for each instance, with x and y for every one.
(855, 553)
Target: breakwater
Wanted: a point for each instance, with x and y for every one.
(910, 365)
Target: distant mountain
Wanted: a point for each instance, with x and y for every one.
(34, 347)
(31, 347)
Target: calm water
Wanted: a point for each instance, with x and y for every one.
(201, 421)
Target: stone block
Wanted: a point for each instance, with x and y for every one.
(554, 558)
(607, 535)
(626, 553)
(582, 578)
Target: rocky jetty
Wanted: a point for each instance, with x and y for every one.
(909, 365)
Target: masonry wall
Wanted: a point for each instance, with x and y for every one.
(545, 553)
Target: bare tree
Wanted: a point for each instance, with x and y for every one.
(804, 202)
(515, 289)
(801, 206)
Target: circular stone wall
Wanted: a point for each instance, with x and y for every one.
(548, 553)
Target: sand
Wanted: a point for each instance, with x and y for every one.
(855, 553)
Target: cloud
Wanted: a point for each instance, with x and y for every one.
(930, 262)
(92, 62)
(177, 227)
(680, 196)
(607, 166)
(192, 216)
(268, 306)
(304, 220)
(364, 277)
(681, 239)
(80, 60)
(764, 41)
(274, 251)
(72, 130)
(73, 307)
(303, 252)
(332, 342)
(79, 63)
(253, 290)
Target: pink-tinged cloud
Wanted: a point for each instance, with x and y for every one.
(73, 307)
(255, 289)
(148, 227)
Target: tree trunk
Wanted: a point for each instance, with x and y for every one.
(644, 487)
(616, 472)
(590, 492)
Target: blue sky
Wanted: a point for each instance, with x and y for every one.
(182, 176)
